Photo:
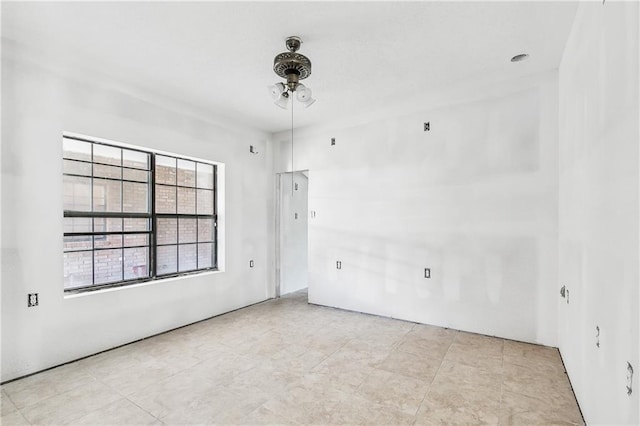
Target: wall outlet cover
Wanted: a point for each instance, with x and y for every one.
(32, 300)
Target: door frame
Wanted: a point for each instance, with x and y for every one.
(278, 228)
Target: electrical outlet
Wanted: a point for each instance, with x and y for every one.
(296, 186)
(597, 336)
(313, 214)
(629, 379)
(427, 126)
(567, 295)
(32, 300)
(251, 264)
(562, 291)
(338, 264)
(427, 272)
(333, 141)
(295, 215)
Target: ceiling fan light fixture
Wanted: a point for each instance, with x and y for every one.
(282, 101)
(276, 90)
(303, 93)
(308, 102)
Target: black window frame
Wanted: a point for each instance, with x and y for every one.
(152, 217)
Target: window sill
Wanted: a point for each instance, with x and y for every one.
(88, 292)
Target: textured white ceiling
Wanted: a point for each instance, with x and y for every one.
(217, 56)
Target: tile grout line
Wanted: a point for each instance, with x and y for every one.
(436, 374)
(18, 410)
(143, 409)
(392, 348)
(125, 397)
(23, 417)
(11, 399)
(70, 421)
(50, 396)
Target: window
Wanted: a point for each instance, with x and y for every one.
(133, 215)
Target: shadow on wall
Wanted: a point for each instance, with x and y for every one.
(478, 278)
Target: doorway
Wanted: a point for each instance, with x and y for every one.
(292, 220)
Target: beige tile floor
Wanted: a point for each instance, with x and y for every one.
(287, 362)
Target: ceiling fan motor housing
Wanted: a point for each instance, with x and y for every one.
(291, 65)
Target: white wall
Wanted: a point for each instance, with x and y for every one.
(598, 209)
(474, 199)
(38, 104)
(294, 264)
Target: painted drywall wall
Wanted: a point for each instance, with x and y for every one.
(39, 103)
(294, 220)
(474, 199)
(598, 209)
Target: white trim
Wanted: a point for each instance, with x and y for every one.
(137, 285)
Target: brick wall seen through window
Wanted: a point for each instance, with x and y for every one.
(133, 215)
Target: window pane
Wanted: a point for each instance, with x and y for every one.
(77, 243)
(165, 199)
(77, 224)
(135, 197)
(136, 159)
(135, 240)
(186, 173)
(186, 200)
(107, 241)
(107, 171)
(76, 167)
(106, 195)
(205, 255)
(78, 269)
(107, 266)
(77, 193)
(136, 263)
(167, 259)
(116, 181)
(77, 150)
(137, 175)
(205, 230)
(187, 230)
(187, 256)
(167, 232)
(136, 225)
(205, 176)
(165, 170)
(205, 201)
(107, 154)
(107, 224)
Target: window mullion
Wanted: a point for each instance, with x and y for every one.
(153, 259)
(122, 211)
(93, 227)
